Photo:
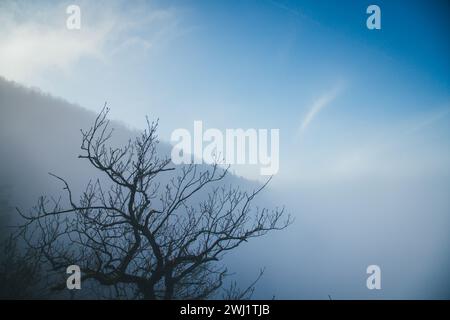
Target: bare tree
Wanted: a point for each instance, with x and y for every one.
(139, 238)
(19, 272)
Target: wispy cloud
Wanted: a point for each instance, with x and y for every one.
(34, 37)
(282, 6)
(385, 154)
(318, 104)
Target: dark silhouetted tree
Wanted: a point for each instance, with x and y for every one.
(140, 238)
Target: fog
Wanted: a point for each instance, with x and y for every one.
(340, 227)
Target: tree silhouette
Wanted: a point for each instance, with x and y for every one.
(139, 238)
(19, 272)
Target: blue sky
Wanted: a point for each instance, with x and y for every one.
(252, 64)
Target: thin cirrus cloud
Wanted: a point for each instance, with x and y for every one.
(388, 153)
(318, 105)
(34, 40)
